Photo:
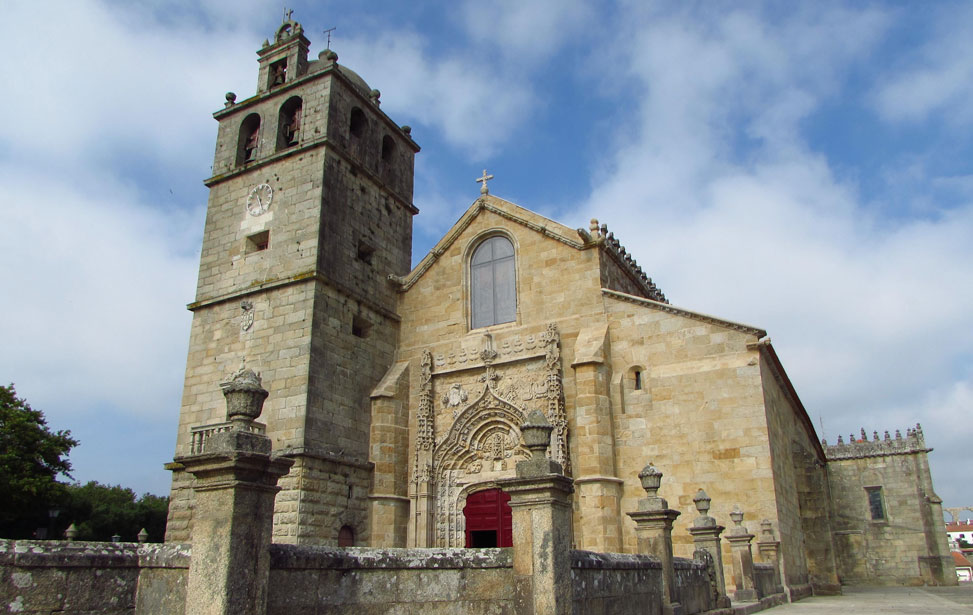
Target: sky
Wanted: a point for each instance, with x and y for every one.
(801, 167)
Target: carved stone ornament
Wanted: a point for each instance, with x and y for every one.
(244, 397)
(455, 396)
(424, 416)
(247, 320)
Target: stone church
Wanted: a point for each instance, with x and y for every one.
(398, 392)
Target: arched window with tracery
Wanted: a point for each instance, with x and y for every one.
(249, 138)
(289, 123)
(493, 283)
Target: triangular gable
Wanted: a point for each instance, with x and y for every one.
(671, 309)
(504, 209)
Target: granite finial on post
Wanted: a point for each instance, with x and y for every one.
(245, 397)
(540, 499)
(706, 536)
(653, 527)
(536, 432)
(235, 485)
(739, 539)
(769, 548)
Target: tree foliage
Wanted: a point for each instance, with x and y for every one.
(31, 458)
(102, 511)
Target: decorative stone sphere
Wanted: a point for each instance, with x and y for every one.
(230, 97)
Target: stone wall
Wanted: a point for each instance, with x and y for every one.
(693, 588)
(87, 578)
(763, 579)
(312, 580)
(616, 583)
(907, 545)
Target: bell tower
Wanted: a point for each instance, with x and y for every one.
(310, 210)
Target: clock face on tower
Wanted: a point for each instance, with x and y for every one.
(259, 200)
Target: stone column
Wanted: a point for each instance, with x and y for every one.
(540, 498)
(739, 539)
(653, 527)
(236, 481)
(769, 548)
(599, 488)
(706, 536)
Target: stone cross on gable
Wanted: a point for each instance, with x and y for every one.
(483, 180)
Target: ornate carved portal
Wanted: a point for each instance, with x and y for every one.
(472, 438)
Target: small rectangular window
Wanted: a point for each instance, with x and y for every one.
(359, 327)
(638, 380)
(258, 241)
(876, 504)
(365, 252)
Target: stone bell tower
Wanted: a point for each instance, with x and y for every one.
(310, 210)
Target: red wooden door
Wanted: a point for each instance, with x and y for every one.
(488, 519)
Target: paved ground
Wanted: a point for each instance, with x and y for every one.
(896, 600)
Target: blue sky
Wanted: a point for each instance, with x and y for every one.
(805, 168)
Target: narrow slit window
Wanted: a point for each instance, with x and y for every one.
(638, 380)
(876, 503)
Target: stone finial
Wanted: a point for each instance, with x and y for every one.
(71, 533)
(864, 437)
(651, 479)
(594, 226)
(230, 99)
(143, 536)
(737, 515)
(244, 398)
(375, 97)
(701, 500)
(887, 436)
(536, 432)
(406, 129)
(767, 529)
(898, 434)
(116, 538)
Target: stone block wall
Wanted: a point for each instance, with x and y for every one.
(907, 546)
(693, 588)
(615, 583)
(88, 578)
(763, 579)
(316, 580)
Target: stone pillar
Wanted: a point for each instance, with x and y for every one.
(236, 481)
(739, 539)
(706, 536)
(389, 453)
(769, 548)
(599, 488)
(540, 498)
(653, 527)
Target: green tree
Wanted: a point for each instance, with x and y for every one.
(101, 511)
(31, 458)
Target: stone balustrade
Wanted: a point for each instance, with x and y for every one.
(201, 434)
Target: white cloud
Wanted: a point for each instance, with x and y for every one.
(96, 280)
(526, 33)
(937, 79)
(474, 106)
(868, 313)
